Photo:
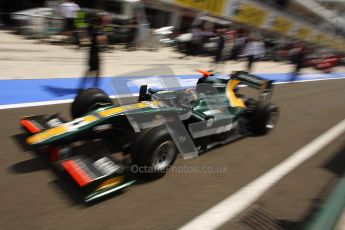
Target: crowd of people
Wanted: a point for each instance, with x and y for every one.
(235, 44)
(229, 43)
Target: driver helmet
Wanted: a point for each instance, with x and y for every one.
(190, 94)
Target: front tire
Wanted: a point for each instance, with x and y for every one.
(153, 153)
(89, 100)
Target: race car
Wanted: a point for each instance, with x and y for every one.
(150, 132)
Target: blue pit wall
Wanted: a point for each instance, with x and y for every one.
(52, 89)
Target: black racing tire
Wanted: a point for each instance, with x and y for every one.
(153, 153)
(264, 118)
(88, 100)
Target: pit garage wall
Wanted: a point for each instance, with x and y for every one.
(260, 16)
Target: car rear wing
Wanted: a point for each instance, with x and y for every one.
(253, 81)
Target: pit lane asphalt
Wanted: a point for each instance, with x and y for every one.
(34, 197)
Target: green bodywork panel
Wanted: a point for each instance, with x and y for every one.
(217, 104)
(210, 102)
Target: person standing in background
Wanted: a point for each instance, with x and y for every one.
(68, 11)
(254, 50)
(133, 27)
(297, 54)
(229, 35)
(194, 46)
(94, 61)
(219, 54)
(239, 44)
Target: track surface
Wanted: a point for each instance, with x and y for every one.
(34, 197)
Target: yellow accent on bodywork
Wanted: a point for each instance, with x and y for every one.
(90, 118)
(111, 182)
(109, 112)
(233, 99)
(46, 134)
(125, 108)
(156, 103)
(142, 105)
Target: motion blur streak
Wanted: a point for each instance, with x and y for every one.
(242, 199)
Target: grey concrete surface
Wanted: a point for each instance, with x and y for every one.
(34, 197)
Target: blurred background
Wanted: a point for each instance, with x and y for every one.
(284, 26)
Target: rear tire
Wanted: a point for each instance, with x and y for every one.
(153, 153)
(264, 118)
(89, 100)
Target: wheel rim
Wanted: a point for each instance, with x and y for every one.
(272, 119)
(163, 155)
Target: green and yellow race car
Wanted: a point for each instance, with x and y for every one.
(151, 132)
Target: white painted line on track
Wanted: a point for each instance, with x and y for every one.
(236, 203)
(31, 104)
(55, 102)
(41, 103)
